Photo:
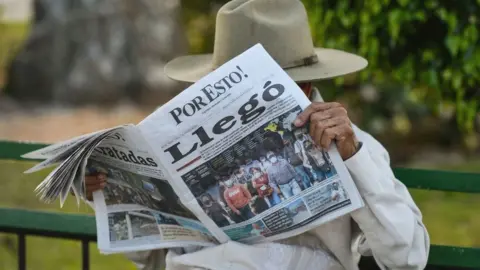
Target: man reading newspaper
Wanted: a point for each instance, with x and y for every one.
(389, 227)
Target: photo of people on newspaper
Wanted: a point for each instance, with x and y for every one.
(263, 172)
(253, 230)
(124, 187)
(143, 224)
(298, 211)
(118, 226)
(145, 211)
(176, 228)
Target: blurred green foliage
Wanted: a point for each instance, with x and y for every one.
(431, 47)
(424, 59)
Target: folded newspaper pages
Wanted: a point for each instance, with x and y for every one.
(219, 162)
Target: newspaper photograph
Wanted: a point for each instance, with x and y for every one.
(274, 176)
(141, 212)
(237, 160)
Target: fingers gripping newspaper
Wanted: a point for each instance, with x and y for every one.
(222, 161)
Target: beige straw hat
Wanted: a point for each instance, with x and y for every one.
(281, 26)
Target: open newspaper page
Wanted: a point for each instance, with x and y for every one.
(67, 156)
(61, 147)
(239, 164)
(138, 209)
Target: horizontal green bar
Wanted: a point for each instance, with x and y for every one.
(49, 223)
(14, 150)
(412, 178)
(439, 180)
(454, 256)
(78, 226)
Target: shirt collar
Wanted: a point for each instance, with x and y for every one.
(315, 95)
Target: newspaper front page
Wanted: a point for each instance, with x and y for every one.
(236, 161)
(138, 209)
(221, 161)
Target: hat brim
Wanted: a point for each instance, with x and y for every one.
(331, 63)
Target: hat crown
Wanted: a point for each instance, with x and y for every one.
(281, 26)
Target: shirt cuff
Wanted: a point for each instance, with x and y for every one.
(365, 172)
(353, 159)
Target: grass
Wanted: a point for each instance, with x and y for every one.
(12, 36)
(451, 219)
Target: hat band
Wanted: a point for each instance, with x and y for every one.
(307, 61)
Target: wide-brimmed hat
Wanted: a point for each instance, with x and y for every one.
(281, 26)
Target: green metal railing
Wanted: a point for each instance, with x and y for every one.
(82, 227)
(48, 224)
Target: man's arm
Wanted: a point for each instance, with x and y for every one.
(246, 193)
(254, 183)
(390, 223)
(272, 181)
(290, 168)
(298, 151)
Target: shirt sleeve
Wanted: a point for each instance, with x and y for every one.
(246, 193)
(290, 168)
(272, 179)
(391, 227)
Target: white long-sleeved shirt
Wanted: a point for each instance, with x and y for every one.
(389, 228)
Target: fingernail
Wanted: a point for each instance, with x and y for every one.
(297, 122)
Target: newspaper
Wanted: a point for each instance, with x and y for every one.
(222, 161)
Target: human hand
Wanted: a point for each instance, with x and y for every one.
(329, 122)
(93, 183)
(237, 212)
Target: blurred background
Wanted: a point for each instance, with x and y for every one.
(75, 66)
